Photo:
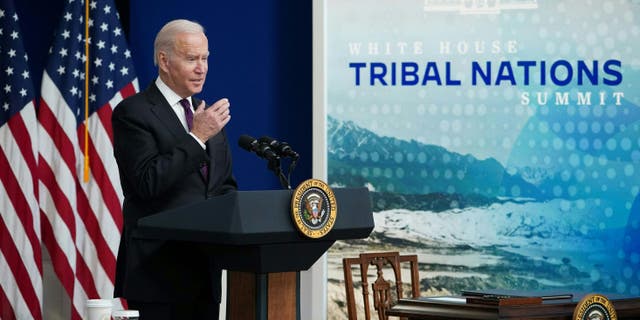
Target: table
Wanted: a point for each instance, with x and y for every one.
(457, 308)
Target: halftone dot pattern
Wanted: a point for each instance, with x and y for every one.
(586, 154)
(596, 140)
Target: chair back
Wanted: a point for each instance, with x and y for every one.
(384, 292)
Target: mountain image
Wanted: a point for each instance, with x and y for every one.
(475, 224)
(359, 157)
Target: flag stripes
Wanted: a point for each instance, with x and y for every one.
(93, 224)
(20, 238)
(82, 220)
(46, 200)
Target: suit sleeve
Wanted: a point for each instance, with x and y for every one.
(229, 182)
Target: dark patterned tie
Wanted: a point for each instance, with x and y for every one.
(187, 112)
(204, 167)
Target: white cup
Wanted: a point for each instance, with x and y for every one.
(125, 315)
(99, 309)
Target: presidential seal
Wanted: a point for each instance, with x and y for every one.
(594, 307)
(314, 208)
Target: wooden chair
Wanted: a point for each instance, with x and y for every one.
(381, 288)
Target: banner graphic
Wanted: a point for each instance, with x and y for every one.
(500, 139)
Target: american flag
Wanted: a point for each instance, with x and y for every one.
(82, 221)
(20, 250)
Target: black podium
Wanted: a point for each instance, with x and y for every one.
(252, 235)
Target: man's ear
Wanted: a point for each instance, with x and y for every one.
(163, 61)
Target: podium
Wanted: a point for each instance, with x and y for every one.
(252, 236)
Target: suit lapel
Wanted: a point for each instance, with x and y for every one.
(167, 116)
(196, 102)
(163, 110)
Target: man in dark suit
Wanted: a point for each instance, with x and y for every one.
(170, 155)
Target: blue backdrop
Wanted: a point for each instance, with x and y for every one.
(260, 60)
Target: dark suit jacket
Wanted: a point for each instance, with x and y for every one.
(159, 164)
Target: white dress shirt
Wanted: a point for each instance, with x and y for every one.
(174, 101)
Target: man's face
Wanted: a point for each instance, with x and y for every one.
(186, 68)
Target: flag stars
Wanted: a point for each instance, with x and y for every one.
(7, 88)
(5, 106)
(1, 13)
(15, 17)
(14, 35)
(9, 71)
(25, 74)
(108, 55)
(12, 53)
(23, 92)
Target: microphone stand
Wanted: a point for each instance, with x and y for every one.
(292, 165)
(274, 165)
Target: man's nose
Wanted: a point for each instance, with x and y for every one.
(201, 66)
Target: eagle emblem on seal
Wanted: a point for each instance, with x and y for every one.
(313, 208)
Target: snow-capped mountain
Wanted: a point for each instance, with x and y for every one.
(359, 157)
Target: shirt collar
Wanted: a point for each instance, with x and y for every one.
(171, 96)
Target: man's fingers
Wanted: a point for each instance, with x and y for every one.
(222, 103)
(201, 106)
(218, 110)
(226, 120)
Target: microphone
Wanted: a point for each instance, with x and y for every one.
(281, 148)
(250, 144)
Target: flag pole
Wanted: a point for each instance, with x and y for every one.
(86, 91)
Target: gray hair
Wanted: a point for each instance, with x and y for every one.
(167, 35)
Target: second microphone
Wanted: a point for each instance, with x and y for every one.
(261, 149)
